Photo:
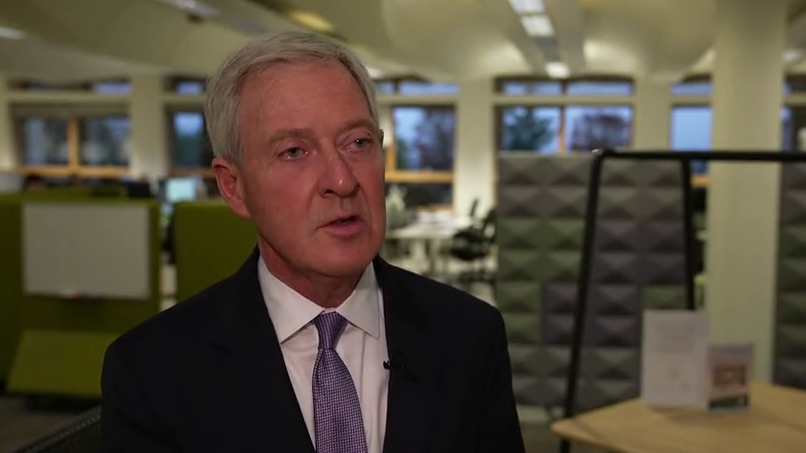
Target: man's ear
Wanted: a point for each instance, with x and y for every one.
(380, 138)
(231, 185)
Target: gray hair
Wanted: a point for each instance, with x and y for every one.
(224, 87)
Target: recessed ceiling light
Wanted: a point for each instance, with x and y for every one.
(375, 73)
(312, 21)
(11, 33)
(195, 7)
(537, 25)
(527, 6)
(557, 70)
(792, 55)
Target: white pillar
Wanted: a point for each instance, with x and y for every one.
(149, 150)
(744, 198)
(651, 113)
(8, 155)
(474, 165)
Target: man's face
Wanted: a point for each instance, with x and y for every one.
(312, 176)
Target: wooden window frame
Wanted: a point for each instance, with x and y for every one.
(563, 149)
(205, 172)
(74, 166)
(393, 175)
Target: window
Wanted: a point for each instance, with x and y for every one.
(795, 84)
(531, 87)
(530, 129)
(789, 124)
(420, 156)
(94, 145)
(592, 127)
(51, 86)
(408, 86)
(43, 141)
(702, 86)
(523, 86)
(105, 141)
(794, 123)
(692, 126)
(118, 87)
(424, 138)
(191, 146)
(417, 87)
(693, 88)
(187, 86)
(385, 87)
(558, 129)
(111, 87)
(599, 88)
(691, 131)
(422, 195)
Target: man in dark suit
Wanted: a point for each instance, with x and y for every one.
(315, 344)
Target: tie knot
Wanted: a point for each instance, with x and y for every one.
(329, 326)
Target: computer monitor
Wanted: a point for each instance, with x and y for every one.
(181, 189)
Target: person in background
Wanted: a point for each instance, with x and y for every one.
(33, 183)
(315, 343)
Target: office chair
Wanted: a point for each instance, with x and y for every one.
(472, 246)
(139, 190)
(79, 435)
(473, 208)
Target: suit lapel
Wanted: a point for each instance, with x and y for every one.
(254, 387)
(412, 388)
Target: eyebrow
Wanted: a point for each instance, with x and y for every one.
(307, 132)
(360, 122)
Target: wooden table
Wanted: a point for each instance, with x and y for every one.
(774, 423)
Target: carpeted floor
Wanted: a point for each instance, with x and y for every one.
(20, 423)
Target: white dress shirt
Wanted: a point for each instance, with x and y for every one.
(362, 347)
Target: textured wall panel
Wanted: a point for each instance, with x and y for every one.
(790, 328)
(638, 264)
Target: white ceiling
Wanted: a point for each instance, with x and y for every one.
(442, 39)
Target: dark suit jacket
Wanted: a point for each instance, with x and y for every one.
(208, 375)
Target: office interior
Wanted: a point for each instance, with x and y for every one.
(110, 211)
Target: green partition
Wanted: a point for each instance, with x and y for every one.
(11, 269)
(210, 243)
(62, 340)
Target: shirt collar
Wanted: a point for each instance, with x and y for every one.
(290, 311)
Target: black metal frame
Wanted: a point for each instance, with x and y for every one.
(594, 184)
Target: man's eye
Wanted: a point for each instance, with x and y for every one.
(292, 153)
(363, 142)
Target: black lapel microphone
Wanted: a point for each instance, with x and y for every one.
(398, 366)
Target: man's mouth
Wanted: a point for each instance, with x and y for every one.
(344, 221)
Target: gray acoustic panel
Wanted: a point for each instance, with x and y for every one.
(638, 263)
(790, 327)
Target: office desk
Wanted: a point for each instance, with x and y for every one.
(426, 241)
(775, 422)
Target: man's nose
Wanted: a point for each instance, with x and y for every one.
(338, 176)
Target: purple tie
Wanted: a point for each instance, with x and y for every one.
(337, 412)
